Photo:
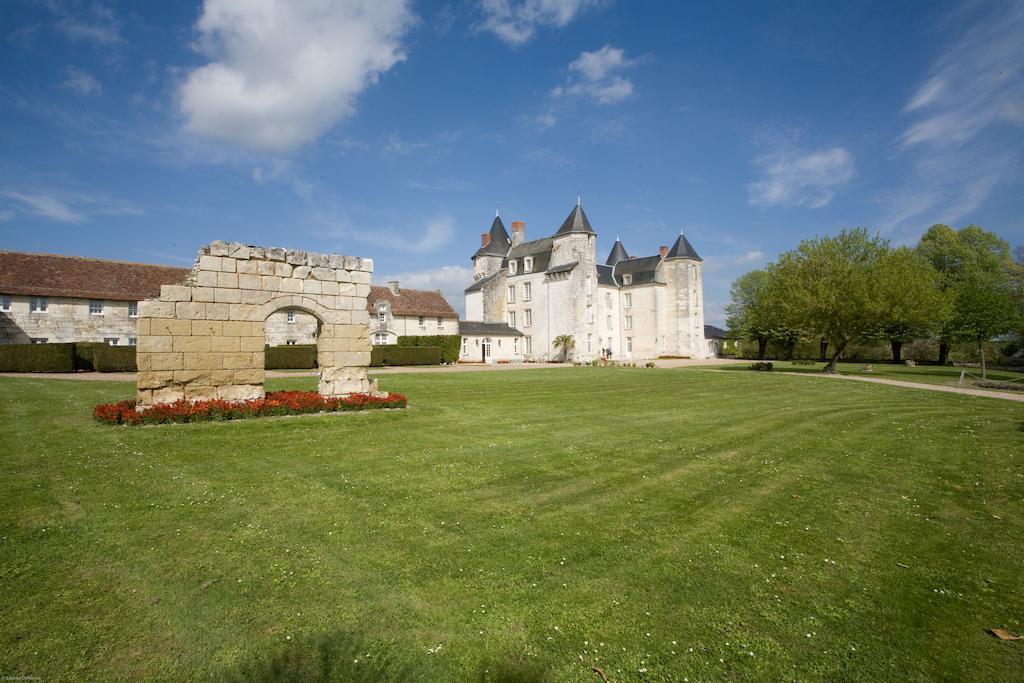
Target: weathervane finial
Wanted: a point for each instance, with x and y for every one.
(497, 208)
(578, 201)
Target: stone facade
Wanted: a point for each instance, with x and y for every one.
(626, 309)
(204, 338)
(66, 319)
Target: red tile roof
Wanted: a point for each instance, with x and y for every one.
(411, 302)
(86, 278)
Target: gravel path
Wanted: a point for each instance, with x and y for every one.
(987, 393)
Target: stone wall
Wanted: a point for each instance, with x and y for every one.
(204, 339)
(66, 319)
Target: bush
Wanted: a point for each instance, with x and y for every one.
(293, 357)
(450, 344)
(1001, 386)
(37, 358)
(84, 352)
(762, 366)
(274, 403)
(404, 355)
(106, 358)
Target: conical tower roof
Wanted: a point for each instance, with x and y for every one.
(683, 249)
(500, 241)
(618, 253)
(575, 222)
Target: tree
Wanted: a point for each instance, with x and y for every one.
(962, 257)
(566, 343)
(986, 306)
(849, 286)
(902, 324)
(746, 316)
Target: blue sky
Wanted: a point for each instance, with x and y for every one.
(392, 130)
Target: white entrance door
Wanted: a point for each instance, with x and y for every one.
(487, 350)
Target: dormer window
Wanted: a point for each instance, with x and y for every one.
(528, 264)
(627, 279)
(512, 267)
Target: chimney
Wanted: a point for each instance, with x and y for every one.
(663, 250)
(393, 286)
(518, 232)
(485, 239)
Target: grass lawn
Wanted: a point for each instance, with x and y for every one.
(929, 374)
(659, 524)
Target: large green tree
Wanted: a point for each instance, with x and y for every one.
(746, 313)
(848, 286)
(906, 268)
(976, 271)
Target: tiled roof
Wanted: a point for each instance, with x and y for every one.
(479, 284)
(411, 302)
(618, 253)
(500, 241)
(564, 268)
(468, 327)
(540, 250)
(86, 278)
(642, 269)
(683, 249)
(576, 221)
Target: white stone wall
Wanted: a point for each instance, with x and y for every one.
(396, 326)
(503, 349)
(302, 329)
(67, 319)
(475, 305)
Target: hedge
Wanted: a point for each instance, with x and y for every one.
(450, 344)
(290, 357)
(84, 352)
(37, 358)
(404, 355)
(106, 358)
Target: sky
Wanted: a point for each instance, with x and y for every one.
(394, 130)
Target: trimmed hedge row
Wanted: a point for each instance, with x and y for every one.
(450, 344)
(404, 355)
(37, 358)
(106, 358)
(294, 357)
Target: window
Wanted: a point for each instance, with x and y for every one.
(38, 340)
(465, 342)
(590, 343)
(95, 307)
(629, 322)
(528, 264)
(38, 304)
(515, 345)
(5, 302)
(422, 321)
(133, 309)
(629, 344)
(382, 317)
(512, 267)
(527, 292)
(440, 322)
(528, 344)
(511, 318)
(110, 341)
(590, 314)
(627, 300)
(627, 279)
(380, 338)
(609, 322)
(528, 317)
(132, 341)
(511, 294)
(291, 315)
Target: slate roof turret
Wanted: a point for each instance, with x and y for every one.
(500, 241)
(618, 253)
(575, 222)
(683, 249)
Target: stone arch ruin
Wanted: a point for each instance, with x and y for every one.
(204, 339)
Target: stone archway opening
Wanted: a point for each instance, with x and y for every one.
(205, 338)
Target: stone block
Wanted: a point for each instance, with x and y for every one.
(237, 328)
(207, 328)
(275, 254)
(219, 248)
(168, 326)
(168, 394)
(329, 287)
(250, 376)
(265, 267)
(283, 270)
(250, 344)
(240, 392)
(142, 327)
(256, 296)
(237, 361)
(192, 344)
(200, 393)
(258, 360)
(143, 397)
(227, 280)
(207, 278)
(151, 308)
(155, 380)
(218, 311)
(184, 310)
(200, 377)
(203, 294)
(360, 277)
(165, 361)
(301, 272)
(342, 275)
(210, 263)
(203, 361)
(247, 268)
(248, 281)
(361, 317)
(259, 329)
(368, 265)
(228, 265)
(311, 287)
(155, 344)
(248, 312)
(270, 283)
(296, 257)
(219, 377)
(175, 293)
(223, 295)
(321, 273)
(291, 285)
(238, 251)
(362, 291)
(225, 344)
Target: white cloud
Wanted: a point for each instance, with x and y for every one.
(434, 234)
(751, 256)
(451, 280)
(7, 215)
(285, 73)
(81, 82)
(99, 25)
(597, 75)
(517, 22)
(791, 178)
(45, 206)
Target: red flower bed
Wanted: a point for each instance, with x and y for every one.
(274, 403)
